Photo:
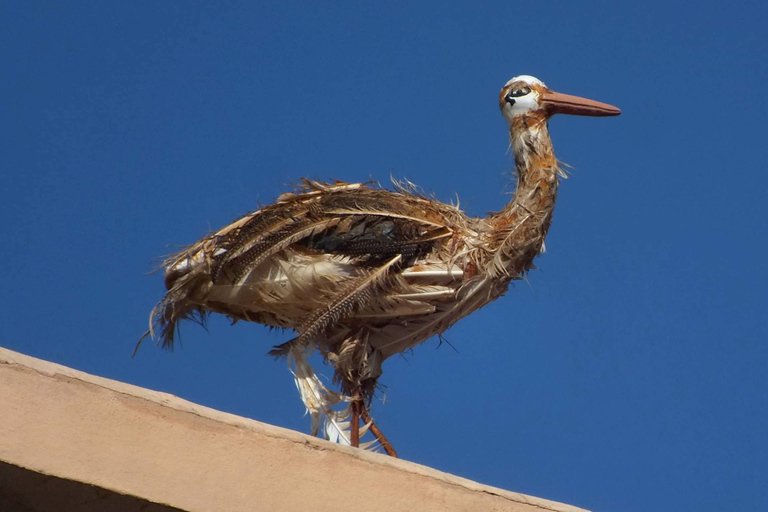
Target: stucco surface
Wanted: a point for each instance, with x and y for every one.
(132, 441)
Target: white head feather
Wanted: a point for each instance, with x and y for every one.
(530, 80)
(523, 103)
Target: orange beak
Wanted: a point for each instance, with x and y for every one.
(558, 103)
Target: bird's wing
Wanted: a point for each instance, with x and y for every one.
(367, 226)
(305, 261)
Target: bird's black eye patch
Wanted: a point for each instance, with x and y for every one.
(517, 92)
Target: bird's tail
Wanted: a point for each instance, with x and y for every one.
(178, 303)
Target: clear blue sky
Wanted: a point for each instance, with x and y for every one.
(628, 373)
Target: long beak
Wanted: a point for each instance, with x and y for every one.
(558, 103)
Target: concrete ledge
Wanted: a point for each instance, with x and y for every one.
(106, 445)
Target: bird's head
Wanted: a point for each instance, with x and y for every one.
(527, 96)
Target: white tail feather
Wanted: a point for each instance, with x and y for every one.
(319, 400)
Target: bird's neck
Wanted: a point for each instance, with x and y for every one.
(520, 228)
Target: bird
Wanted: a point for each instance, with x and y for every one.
(361, 273)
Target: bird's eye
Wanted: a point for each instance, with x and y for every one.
(516, 93)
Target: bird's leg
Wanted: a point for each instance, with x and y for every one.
(359, 411)
(379, 434)
(357, 405)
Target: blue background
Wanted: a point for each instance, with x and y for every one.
(629, 373)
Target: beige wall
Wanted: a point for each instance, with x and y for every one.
(122, 440)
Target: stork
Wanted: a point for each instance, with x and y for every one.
(361, 273)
